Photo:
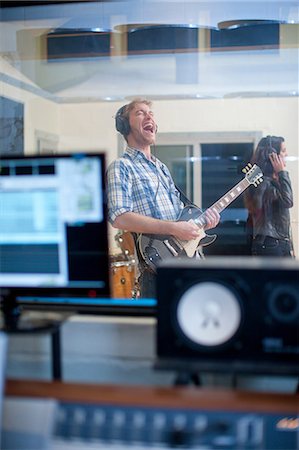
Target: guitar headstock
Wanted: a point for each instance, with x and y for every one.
(254, 175)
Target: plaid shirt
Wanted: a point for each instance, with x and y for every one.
(138, 185)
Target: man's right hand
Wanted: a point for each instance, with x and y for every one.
(185, 230)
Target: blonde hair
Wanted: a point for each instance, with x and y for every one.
(130, 106)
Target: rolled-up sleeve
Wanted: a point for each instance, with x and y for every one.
(119, 189)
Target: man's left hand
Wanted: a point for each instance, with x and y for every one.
(212, 218)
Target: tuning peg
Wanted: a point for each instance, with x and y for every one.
(246, 168)
(257, 182)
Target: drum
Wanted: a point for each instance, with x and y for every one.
(122, 277)
(125, 241)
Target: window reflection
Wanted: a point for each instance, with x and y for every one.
(208, 68)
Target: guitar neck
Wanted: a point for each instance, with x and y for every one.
(225, 200)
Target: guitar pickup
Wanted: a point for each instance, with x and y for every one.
(174, 251)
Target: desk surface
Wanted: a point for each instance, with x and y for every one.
(169, 397)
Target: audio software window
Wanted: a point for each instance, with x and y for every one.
(37, 200)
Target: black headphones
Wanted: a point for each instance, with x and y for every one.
(270, 146)
(269, 142)
(122, 124)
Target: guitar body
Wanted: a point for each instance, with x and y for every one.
(155, 247)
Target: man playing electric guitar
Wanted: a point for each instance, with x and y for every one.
(142, 197)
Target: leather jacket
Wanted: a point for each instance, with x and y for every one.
(269, 206)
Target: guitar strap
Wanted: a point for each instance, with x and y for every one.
(184, 198)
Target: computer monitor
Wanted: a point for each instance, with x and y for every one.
(53, 232)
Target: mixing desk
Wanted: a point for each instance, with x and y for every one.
(84, 417)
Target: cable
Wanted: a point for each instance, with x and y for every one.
(157, 176)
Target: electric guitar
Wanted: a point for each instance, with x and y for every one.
(155, 248)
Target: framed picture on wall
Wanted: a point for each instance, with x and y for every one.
(11, 127)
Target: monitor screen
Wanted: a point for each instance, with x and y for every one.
(54, 237)
(53, 224)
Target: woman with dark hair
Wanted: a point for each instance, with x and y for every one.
(269, 205)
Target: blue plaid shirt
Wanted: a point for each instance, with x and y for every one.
(138, 185)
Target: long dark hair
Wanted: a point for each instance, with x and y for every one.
(265, 147)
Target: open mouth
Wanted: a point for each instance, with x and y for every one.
(149, 127)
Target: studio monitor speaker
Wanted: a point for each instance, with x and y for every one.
(234, 315)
